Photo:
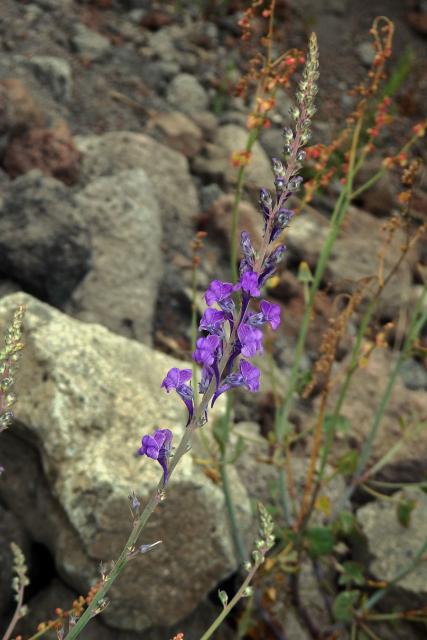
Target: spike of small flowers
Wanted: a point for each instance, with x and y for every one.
(232, 331)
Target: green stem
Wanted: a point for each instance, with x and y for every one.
(237, 537)
(235, 529)
(224, 613)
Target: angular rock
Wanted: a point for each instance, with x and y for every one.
(216, 162)
(55, 73)
(50, 150)
(19, 110)
(168, 170)
(187, 94)
(88, 43)
(85, 398)
(173, 187)
(177, 131)
(120, 289)
(404, 407)
(353, 258)
(44, 239)
(391, 553)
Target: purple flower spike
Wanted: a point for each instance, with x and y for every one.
(218, 292)
(271, 313)
(175, 378)
(250, 375)
(206, 348)
(212, 321)
(250, 339)
(249, 283)
(158, 447)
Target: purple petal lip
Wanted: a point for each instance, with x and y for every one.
(175, 377)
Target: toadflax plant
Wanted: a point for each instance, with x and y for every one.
(230, 331)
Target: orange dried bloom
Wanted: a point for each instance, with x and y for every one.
(240, 158)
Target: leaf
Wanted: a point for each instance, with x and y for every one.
(323, 504)
(404, 511)
(345, 523)
(304, 273)
(341, 424)
(347, 464)
(222, 595)
(342, 607)
(353, 574)
(320, 541)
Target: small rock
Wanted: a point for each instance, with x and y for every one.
(366, 53)
(414, 375)
(55, 72)
(178, 132)
(258, 171)
(187, 94)
(209, 194)
(52, 151)
(219, 216)
(88, 43)
(19, 111)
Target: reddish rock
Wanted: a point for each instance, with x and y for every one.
(219, 216)
(19, 111)
(50, 150)
(178, 132)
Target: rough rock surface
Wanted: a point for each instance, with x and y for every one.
(120, 289)
(44, 238)
(309, 232)
(361, 402)
(391, 553)
(85, 398)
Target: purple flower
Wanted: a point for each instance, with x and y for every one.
(212, 321)
(250, 375)
(176, 379)
(247, 248)
(218, 292)
(271, 313)
(158, 447)
(206, 348)
(249, 283)
(250, 339)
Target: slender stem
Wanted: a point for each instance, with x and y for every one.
(16, 614)
(224, 613)
(235, 529)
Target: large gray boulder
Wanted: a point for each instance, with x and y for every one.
(85, 398)
(120, 290)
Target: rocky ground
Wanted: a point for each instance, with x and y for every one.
(117, 122)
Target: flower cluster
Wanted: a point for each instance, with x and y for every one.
(230, 325)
